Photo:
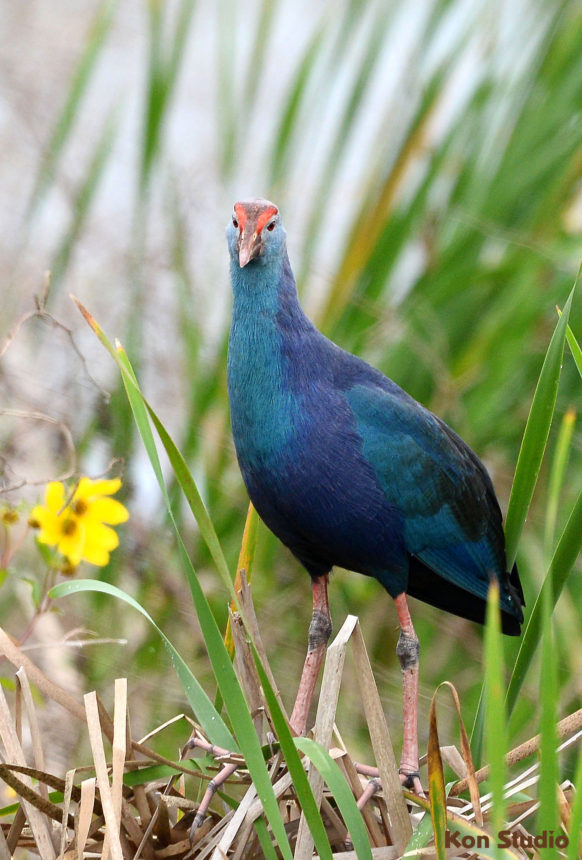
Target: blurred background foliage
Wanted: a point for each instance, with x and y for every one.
(427, 159)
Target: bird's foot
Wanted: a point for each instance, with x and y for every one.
(410, 779)
(229, 761)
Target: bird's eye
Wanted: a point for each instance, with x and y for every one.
(271, 226)
(235, 223)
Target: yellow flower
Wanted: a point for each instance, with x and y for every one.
(79, 526)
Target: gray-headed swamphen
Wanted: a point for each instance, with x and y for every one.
(349, 470)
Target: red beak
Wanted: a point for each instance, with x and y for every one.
(249, 248)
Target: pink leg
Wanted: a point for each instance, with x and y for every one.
(407, 650)
(319, 633)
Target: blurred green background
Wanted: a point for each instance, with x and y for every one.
(427, 160)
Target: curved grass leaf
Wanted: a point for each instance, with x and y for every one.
(436, 784)
(227, 681)
(528, 465)
(564, 558)
(466, 752)
(535, 436)
(197, 506)
(207, 716)
(228, 684)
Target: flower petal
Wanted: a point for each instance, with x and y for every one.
(54, 496)
(50, 529)
(88, 489)
(99, 541)
(72, 541)
(107, 511)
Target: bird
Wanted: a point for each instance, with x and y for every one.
(348, 470)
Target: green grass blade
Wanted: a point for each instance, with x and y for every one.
(557, 475)
(436, 784)
(226, 678)
(575, 831)
(265, 840)
(256, 64)
(495, 723)
(222, 667)
(529, 461)
(284, 137)
(84, 198)
(188, 485)
(342, 793)
(549, 771)
(564, 558)
(209, 718)
(458, 828)
(370, 221)
(574, 349)
(296, 770)
(346, 124)
(81, 77)
(162, 76)
(420, 838)
(535, 436)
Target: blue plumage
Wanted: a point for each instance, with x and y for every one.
(341, 464)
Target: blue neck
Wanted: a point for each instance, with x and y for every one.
(266, 309)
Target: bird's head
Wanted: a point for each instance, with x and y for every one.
(255, 232)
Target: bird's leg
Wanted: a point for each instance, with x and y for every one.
(319, 633)
(213, 786)
(408, 649)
